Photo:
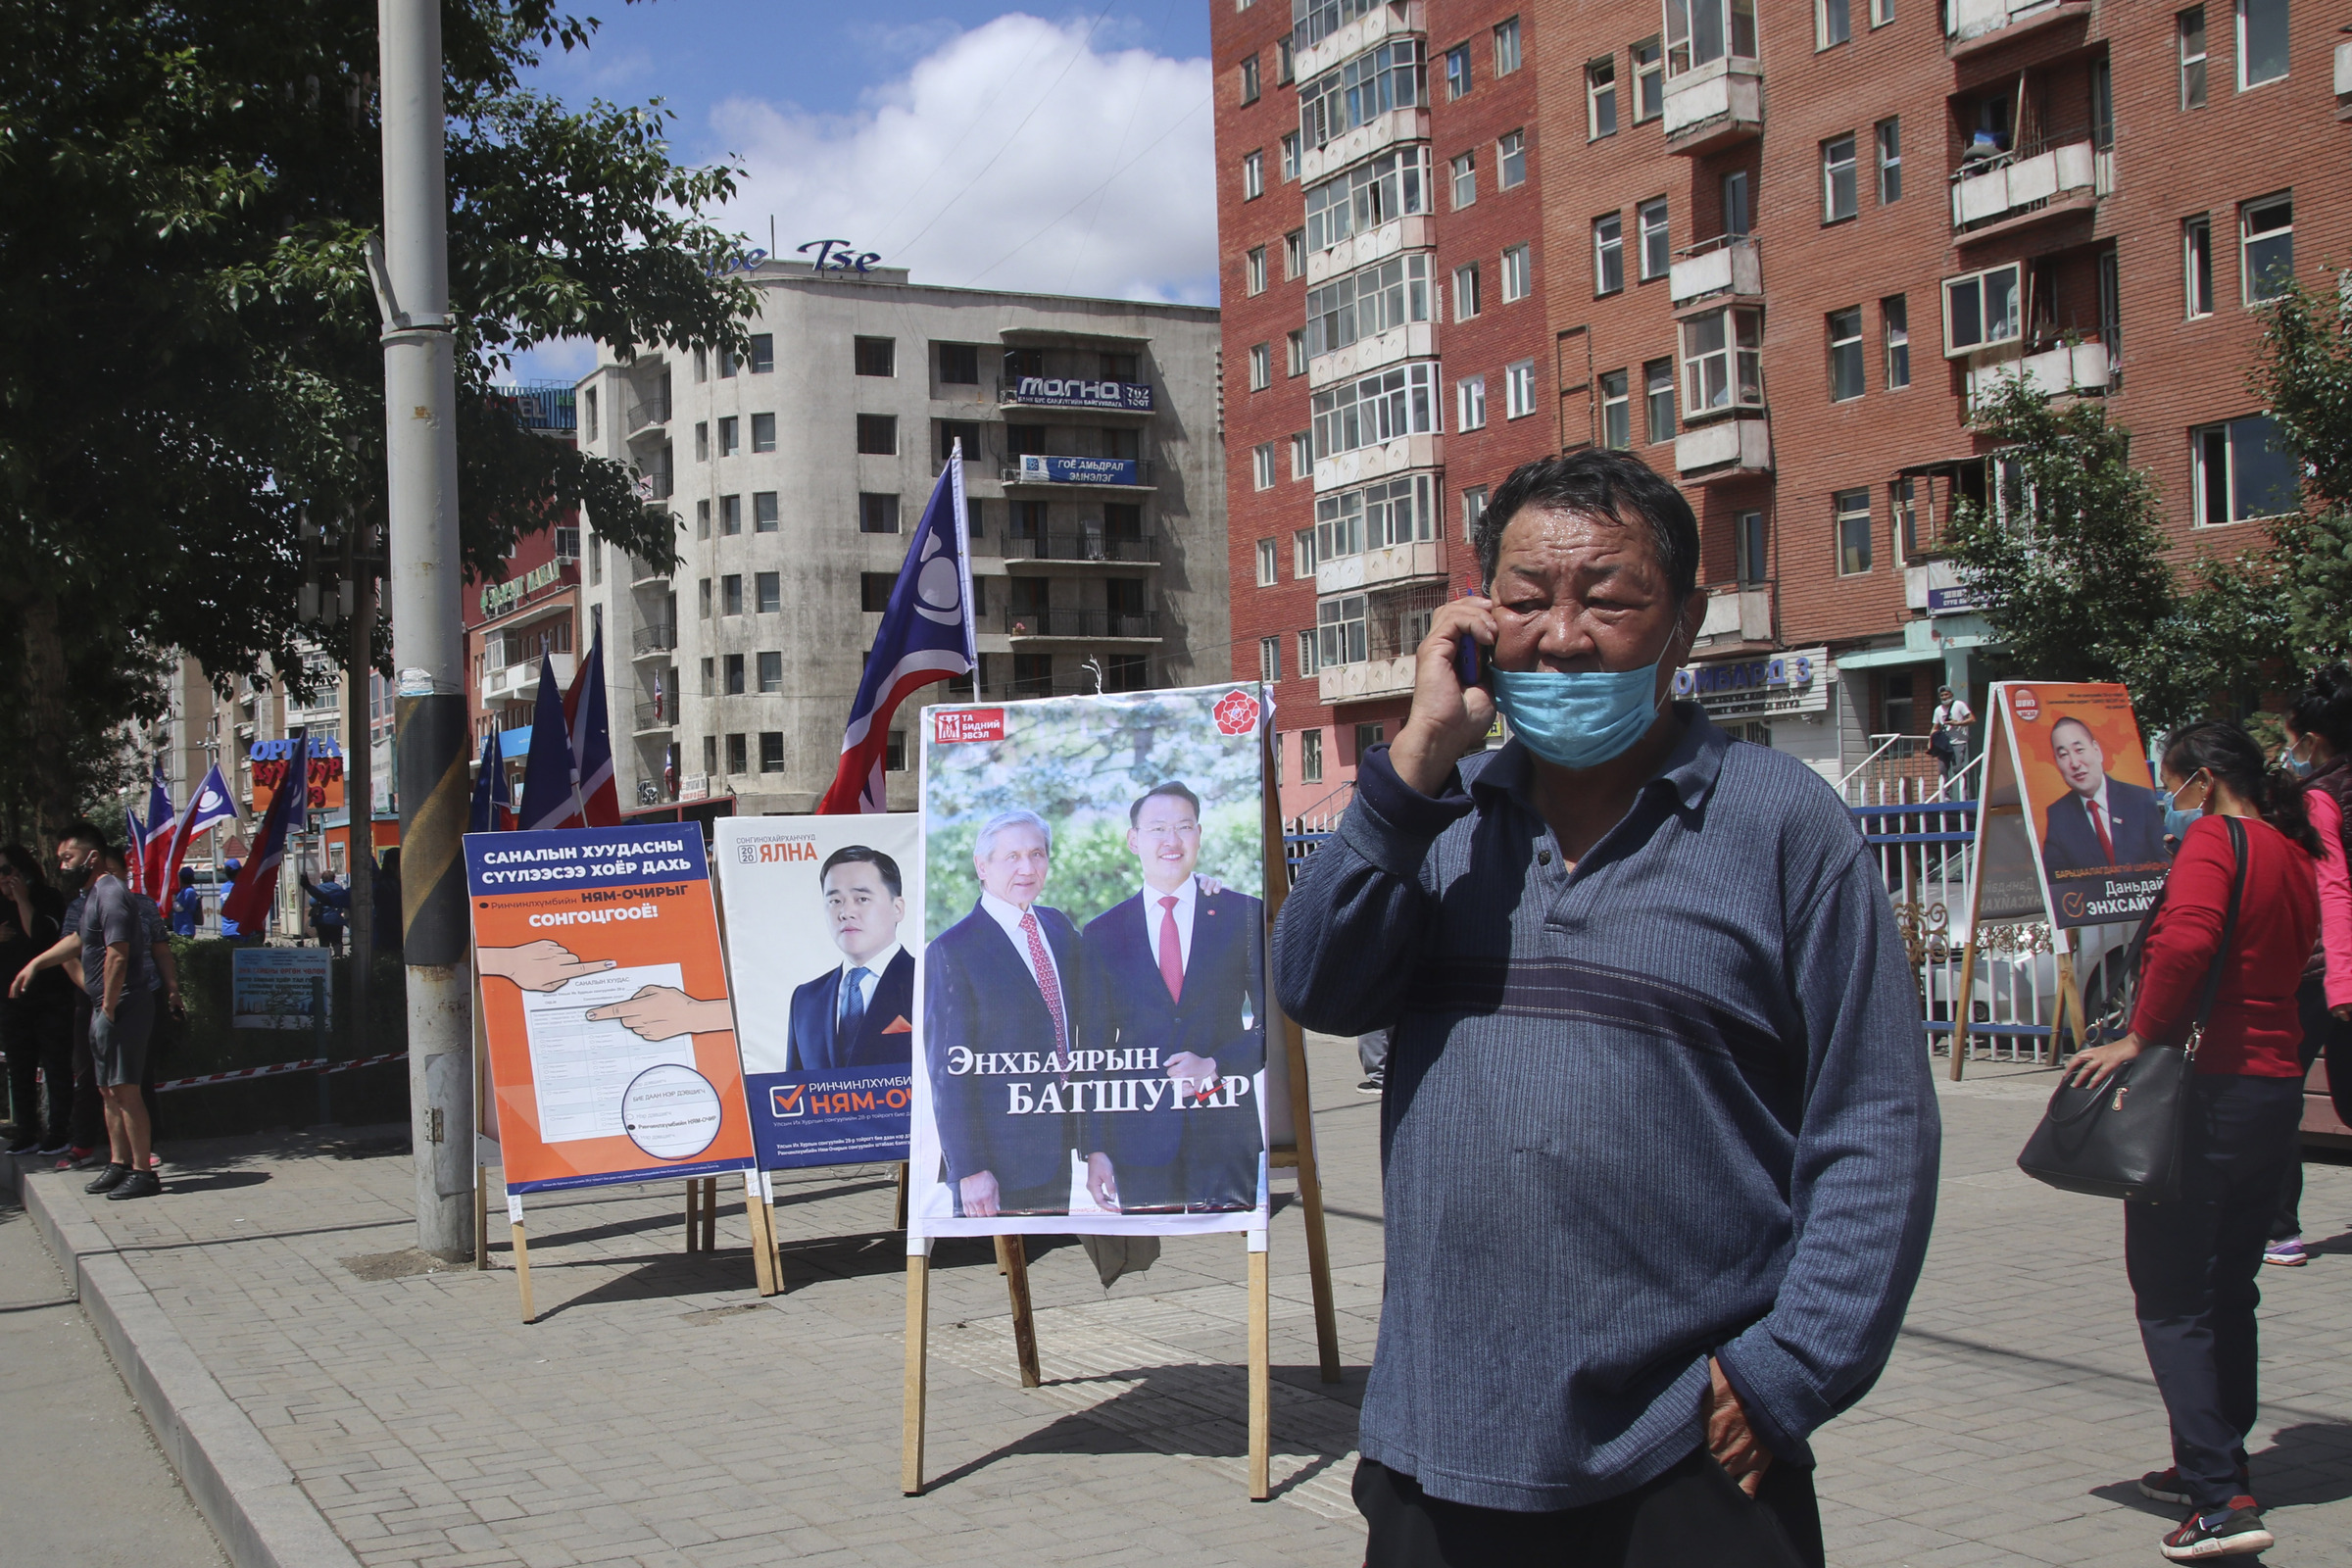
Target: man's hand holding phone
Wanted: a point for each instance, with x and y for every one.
(1450, 717)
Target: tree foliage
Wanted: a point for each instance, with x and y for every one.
(2304, 377)
(191, 352)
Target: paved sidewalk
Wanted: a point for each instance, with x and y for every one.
(661, 1413)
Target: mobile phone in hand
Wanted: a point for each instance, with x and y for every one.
(1468, 666)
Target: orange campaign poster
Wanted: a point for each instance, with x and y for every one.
(611, 1037)
(2092, 812)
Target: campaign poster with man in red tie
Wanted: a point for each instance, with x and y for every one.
(2097, 819)
(1092, 1001)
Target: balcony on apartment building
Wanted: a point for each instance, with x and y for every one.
(1324, 32)
(2344, 80)
(1038, 471)
(2071, 370)
(1738, 613)
(1714, 75)
(655, 639)
(1716, 272)
(1737, 447)
(1091, 545)
(1056, 623)
(1971, 27)
(2043, 181)
(657, 717)
(1380, 565)
(1365, 642)
(520, 682)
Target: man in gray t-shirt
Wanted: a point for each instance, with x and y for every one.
(115, 969)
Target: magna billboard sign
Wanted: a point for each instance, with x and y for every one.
(1056, 392)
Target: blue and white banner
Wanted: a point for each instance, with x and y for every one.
(1036, 470)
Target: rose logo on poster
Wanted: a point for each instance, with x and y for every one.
(1237, 714)
(2029, 707)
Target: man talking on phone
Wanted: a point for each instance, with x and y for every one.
(1658, 1139)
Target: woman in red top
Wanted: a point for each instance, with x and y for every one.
(2192, 1263)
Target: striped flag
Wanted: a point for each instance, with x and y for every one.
(155, 845)
(551, 796)
(493, 802)
(926, 636)
(247, 906)
(212, 803)
(586, 720)
(134, 857)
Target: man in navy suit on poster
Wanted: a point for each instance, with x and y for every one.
(1000, 981)
(1180, 971)
(858, 1013)
(2100, 822)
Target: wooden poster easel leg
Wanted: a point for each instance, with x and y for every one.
(1012, 1260)
(481, 1217)
(2070, 999)
(710, 1213)
(900, 1223)
(522, 1254)
(1964, 1004)
(1310, 1204)
(918, 1325)
(1261, 1438)
(694, 1213)
(760, 1220)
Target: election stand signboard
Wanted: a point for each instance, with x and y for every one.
(824, 919)
(605, 1009)
(282, 988)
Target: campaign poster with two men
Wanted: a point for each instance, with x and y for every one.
(1094, 987)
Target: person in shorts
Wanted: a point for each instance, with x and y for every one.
(115, 965)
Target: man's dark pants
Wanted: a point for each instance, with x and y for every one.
(2193, 1266)
(2323, 1034)
(40, 1042)
(1693, 1516)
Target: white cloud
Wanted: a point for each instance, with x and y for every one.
(1018, 155)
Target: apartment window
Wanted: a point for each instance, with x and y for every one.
(1290, 156)
(1390, 76)
(1294, 253)
(1269, 658)
(1474, 506)
(730, 595)
(2196, 265)
(703, 599)
(1374, 192)
(1393, 512)
(1506, 44)
(875, 356)
(2189, 29)
(764, 352)
(1616, 410)
(1294, 353)
(1269, 564)
(1736, 212)
(710, 686)
(873, 590)
(1465, 180)
(701, 520)
(730, 437)
(588, 414)
(1510, 160)
(1845, 354)
(1902, 499)
(729, 361)
(738, 758)
(1981, 309)
(702, 441)
(1468, 299)
(1249, 91)
(1600, 98)
(1285, 59)
(1837, 179)
(1261, 466)
(947, 432)
(772, 748)
(764, 432)
(1894, 328)
(1302, 553)
(1254, 270)
(1889, 140)
(1253, 176)
(1853, 531)
(730, 514)
(1518, 275)
(960, 363)
(1699, 33)
(1311, 752)
(1833, 22)
(1261, 366)
(2243, 471)
(1457, 72)
(1723, 360)
(1658, 398)
(877, 514)
(2267, 247)
(1649, 80)
(1519, 389)
(877, 434)
(1376, 409)
(1608, 254)
(1881, 12)
(2261, 42)
(764, 512)
(771, 673)
(1747, 548)
(1657, 252)
(1340, 631)
(768, 586)
(1303, 455)
(1470, 403)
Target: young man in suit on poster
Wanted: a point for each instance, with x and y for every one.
(1178, 969)
(857, 1014)
(1003, 980)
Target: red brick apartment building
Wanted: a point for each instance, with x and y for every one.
(1777, 248)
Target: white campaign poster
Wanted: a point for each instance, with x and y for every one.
(1092, 993)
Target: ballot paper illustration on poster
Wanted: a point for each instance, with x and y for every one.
(824, 916)
(1093, 989)
(605, 1007)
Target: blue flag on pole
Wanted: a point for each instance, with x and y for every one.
(550, 795)
(493, 802)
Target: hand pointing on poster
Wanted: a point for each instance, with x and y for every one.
(661, 1012)
(540, 965)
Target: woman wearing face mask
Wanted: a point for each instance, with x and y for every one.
(2192, 1263)
(2319, 752)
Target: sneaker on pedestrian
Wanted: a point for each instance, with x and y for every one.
(109, 1179)
(24, 1146)
(79, 1158)
(2165, 1486)
(1371, 1085)
(57, 1148)
(137, 1183)
(2286, 1254)
(2236, 1533)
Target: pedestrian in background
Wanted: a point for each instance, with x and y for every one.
(77, 855)
(2192, 1263)
(1659, 1142)
(162, 988)
(36, 1028)
(1948, 728)
(330, 902)
(187, 905)
(2319, 751)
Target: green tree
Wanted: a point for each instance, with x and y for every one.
(190, 354)
(2304, 376)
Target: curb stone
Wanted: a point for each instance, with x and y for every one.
(260, 1513)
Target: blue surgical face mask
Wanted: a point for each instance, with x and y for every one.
(2299, 766)
(2175, 821)
(1579, 721)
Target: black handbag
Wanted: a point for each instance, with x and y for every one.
(2125, 1137)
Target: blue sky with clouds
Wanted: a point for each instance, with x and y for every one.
(1061, 151)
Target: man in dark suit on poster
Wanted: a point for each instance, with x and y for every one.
(860, 1012)
(1178, 969)
(1001, 980)
(2100, 822)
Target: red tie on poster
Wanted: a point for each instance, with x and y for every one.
(2098, 819)
(1171, 949)
(1047, 985)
